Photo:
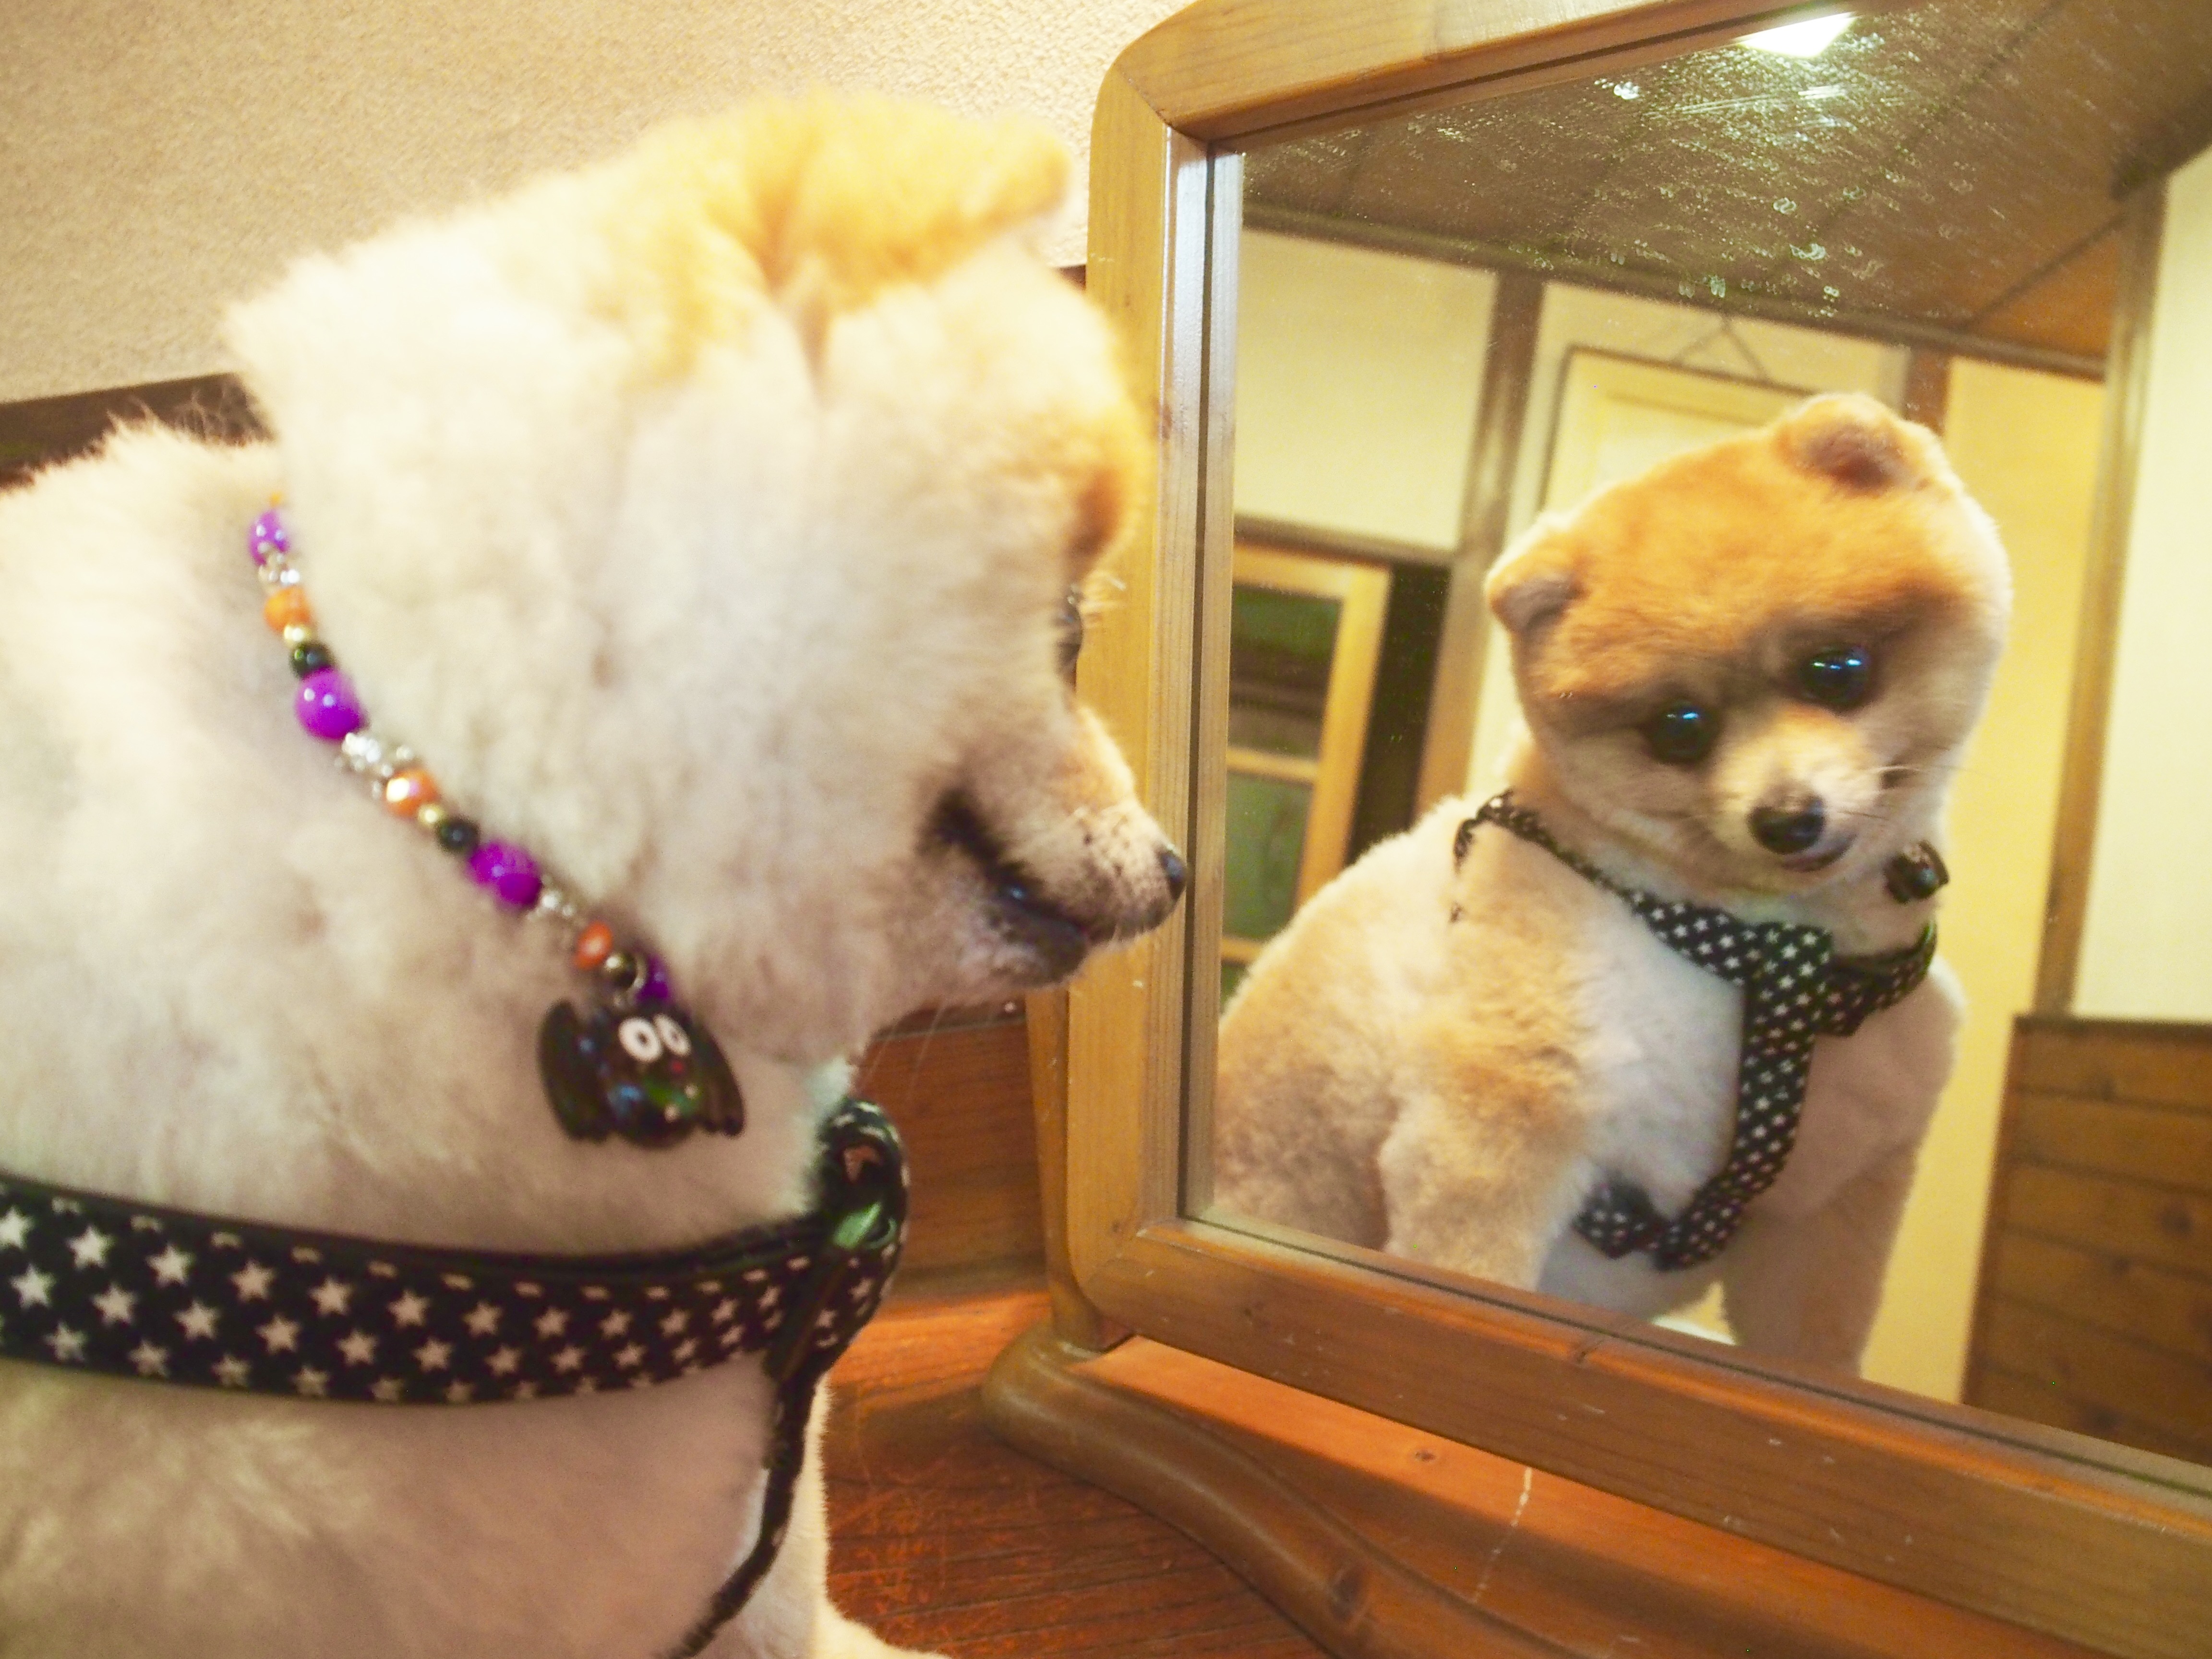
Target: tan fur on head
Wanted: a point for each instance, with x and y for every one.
(1708, 581)
(820, 204)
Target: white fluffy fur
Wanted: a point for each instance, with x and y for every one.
(714, 645)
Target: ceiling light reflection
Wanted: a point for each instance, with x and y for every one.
(1807, 40)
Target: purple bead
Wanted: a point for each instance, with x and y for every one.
(268, 536)
(327, 706)
(509, 871)
(655, 989)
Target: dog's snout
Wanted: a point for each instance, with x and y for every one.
(1176, 872)
(1786, 829)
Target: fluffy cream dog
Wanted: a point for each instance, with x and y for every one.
(1746, 676)
(705, 522)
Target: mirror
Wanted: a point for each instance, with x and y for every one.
(1452, 318)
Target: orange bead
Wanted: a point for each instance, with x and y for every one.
(593, 946)
(287, 608)
(407, 790)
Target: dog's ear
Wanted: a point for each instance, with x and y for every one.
(1534, 580)
(818, 203)
(1856, 443)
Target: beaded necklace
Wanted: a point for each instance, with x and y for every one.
(635, 1064)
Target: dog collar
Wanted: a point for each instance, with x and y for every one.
(91, 1283)
(633, 1062)
(1795, 987)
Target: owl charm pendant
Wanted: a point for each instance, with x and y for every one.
(645, 1071)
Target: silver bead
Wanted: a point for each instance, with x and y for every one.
(361, 751)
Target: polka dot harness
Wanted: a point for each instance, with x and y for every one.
(1795, 988)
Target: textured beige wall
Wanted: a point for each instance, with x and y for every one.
(159, 160)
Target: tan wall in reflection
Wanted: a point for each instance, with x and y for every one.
(2025, 446)
(1356, 385)
(2144, 952)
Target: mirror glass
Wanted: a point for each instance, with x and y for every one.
(1479, 1046)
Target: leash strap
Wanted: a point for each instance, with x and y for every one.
(1795, 988)
(97, 1284)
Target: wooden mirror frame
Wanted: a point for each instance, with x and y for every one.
(2038, 1527)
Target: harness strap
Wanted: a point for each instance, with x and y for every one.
(97, 1284)
(1795, 988)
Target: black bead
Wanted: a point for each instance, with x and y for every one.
(457, 835)
(311, 658)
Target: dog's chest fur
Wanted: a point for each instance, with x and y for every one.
(1656, 1067)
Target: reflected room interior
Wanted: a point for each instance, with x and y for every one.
(1450, 321)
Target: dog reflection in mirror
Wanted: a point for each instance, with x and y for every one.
(1665, 1014)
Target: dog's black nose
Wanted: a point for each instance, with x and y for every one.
(1177, 872)
(1780, 830)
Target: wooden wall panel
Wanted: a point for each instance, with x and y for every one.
(2095, 1310)
(956, 1083)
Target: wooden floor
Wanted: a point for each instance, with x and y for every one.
(944, 1538)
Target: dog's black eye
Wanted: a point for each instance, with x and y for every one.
(1681, 734)
(1071, 634)
(1841, 676)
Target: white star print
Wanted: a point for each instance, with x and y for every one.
(312, 1383)
(252, 1281)
(198, 1320)
(115, 1304)
(68, 1344)
(524, 1391)
(225, 1240)
(614, 1324)
(280, 1334)
(432, 1355)
(14, 1229)
(629, 1355)
(89, 1248)
(687, 1347)
(171, 1267)
(460, 1282)
(483, 1320)
(552, 1323)
(151, 1359)
(332, 1297)
(358, 1349)
(306, 1253)
(408, 1308)
(389, 1389)
(675, 1323)
(503, 1363)
(724, 1311)
(31, 1288)
(231, 1371)
(458, 1394)
(568, 1359)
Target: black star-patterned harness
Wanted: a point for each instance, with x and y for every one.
(1795, 987)
(96, 1283)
